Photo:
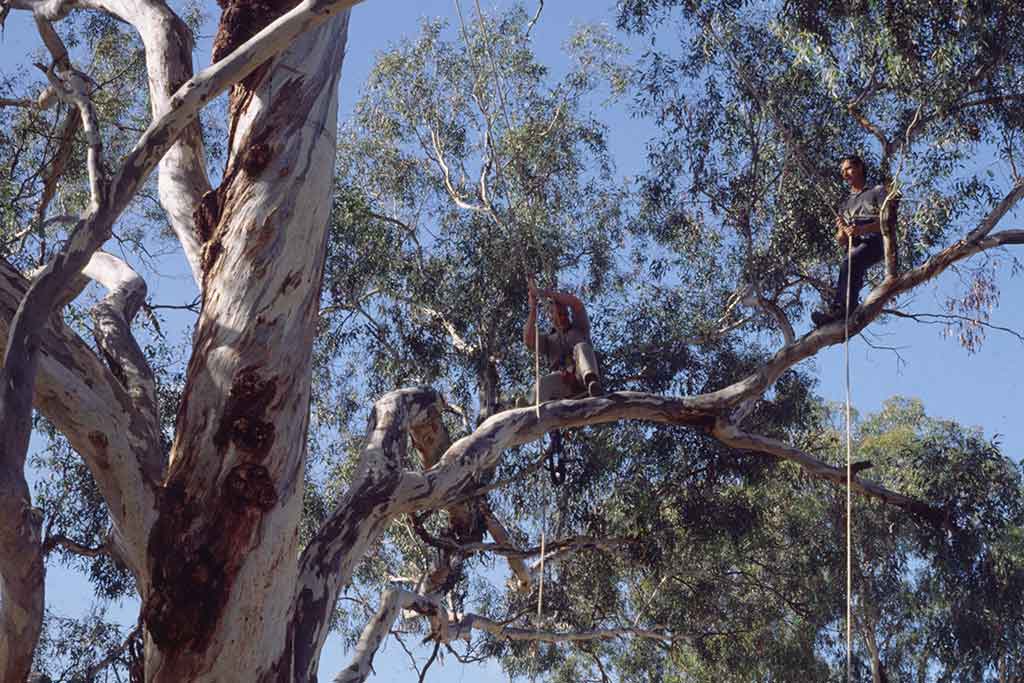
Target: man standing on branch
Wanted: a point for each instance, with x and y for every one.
(566, 348)
(858, 220)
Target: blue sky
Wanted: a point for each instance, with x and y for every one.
(981, 389)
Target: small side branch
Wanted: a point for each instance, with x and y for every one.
(60, 161)
(61, 541)
(951, 318)
(865, 123)
(72, 87)
(503, 632)
(500, 534)
(126, 291)
(135, 635)
(445, 630)
(753, 299)
(732, 436)
(1007, 203)
(887, 223)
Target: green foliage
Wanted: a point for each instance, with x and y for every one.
(760, 100)
(87, 650)
(467, 166)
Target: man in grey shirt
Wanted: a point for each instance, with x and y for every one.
(858, 220)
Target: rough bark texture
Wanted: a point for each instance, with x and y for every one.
(21, 576)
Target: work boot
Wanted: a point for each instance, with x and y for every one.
(826, 317)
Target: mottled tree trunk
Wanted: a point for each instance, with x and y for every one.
(21, 577)
(223, 554)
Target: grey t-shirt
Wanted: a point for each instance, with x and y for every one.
(863, 207)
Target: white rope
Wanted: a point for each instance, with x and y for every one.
(536, 360)
(534, 665)
(849, 468)
(543, 543)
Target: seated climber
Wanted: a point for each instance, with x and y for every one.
(858, 220)
(566, 348)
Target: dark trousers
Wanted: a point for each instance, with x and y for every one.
(867, 251)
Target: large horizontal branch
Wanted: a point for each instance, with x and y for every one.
(975, 242)
(459, 473)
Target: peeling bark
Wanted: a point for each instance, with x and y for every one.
(358, 520)
(222, 555)
(92, 409)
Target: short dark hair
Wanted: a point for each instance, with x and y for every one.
(855, 159)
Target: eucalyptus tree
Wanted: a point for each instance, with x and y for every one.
(206, 515)
(757, 103)
(467, 167)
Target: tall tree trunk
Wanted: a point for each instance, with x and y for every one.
(223, 553)
(22, 575)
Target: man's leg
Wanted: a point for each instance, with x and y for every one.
(865, 255)
(586, 368)
(553, 387)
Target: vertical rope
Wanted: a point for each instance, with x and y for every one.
(536, 361)
(543, 543)
(544, 511)
(534, 665)
(849, 469)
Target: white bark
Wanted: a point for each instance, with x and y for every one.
(392, 603)
(92, 409)
(117, 451)
(214, 549)
(183, 177)
(359, 519)
(240, 460)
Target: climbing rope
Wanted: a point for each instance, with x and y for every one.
(534, 665)
(543, 544)
(849, 468)
(536, 362)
